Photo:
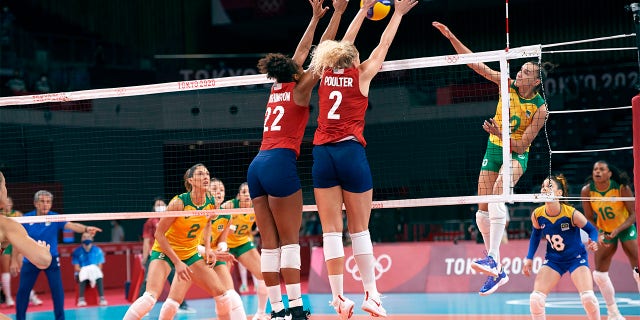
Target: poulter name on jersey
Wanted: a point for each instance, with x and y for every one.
(338, 81)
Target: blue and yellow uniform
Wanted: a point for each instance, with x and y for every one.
(185, 232)
(565, 250)
(611, 214)
(521, 113)
(240, 240)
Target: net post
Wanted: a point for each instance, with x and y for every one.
(635, 106)
(507, 180)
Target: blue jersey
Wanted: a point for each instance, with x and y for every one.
(45, 231)
(83, 258)
(563, 237)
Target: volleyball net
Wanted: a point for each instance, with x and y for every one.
(105, 154)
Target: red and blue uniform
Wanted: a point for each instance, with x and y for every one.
(338, 153)
(273, 171)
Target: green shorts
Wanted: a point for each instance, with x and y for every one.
(8, 250)
(626, 235)
(241, 249)
(219, 263)
(157, 255)
(493, 158)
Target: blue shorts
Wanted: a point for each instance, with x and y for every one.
(568, 265)
(273, 172)
(341, 164)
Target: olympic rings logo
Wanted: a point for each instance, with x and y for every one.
(382, 265)
(451, 58)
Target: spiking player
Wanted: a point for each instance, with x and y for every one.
(527, 113)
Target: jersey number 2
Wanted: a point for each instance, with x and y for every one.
(337, 96)
(278, 112)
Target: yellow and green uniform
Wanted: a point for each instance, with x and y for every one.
(241, 239)
(521, 113)
(217, 227)
(610, 214)
(185, 233)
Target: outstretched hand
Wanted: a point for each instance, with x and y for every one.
(443, 29)
(403, 6)
(340, 5)
(366, 4)
(318, 10)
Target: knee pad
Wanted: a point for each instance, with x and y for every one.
(270, 260)
(536, 303)
(482, 220)
(332, 245)
(361, 243)
(290, 257)
(141, 306)
(223, 303)
(589, 301)
(169, 309)
(498, 212)
(601, 278)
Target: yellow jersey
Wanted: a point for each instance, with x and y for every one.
(241, 225)
(217, 226)
(185, 233)
(521, 113)
(608, 214)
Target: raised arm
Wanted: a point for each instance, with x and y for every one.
(481, 68)
(371, 66)
(339, 6)
(356, 23)
(302, 51)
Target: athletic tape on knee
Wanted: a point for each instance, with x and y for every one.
(498, 212)
(536, 303)
(332, 245)
(589, 301)
(270, 260)
(361, 243)
(169, 309)
(290, 256)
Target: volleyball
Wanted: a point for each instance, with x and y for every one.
(379, 10)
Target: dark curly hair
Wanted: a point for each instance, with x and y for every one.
(279, 67)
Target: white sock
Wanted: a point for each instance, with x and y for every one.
(275, 297)
(498, 218)
(337, 285)
(294, 292)
(6, 285)
(263, 295)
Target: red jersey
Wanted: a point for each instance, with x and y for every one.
(149, 229)
(284, 120)
(342, 107)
